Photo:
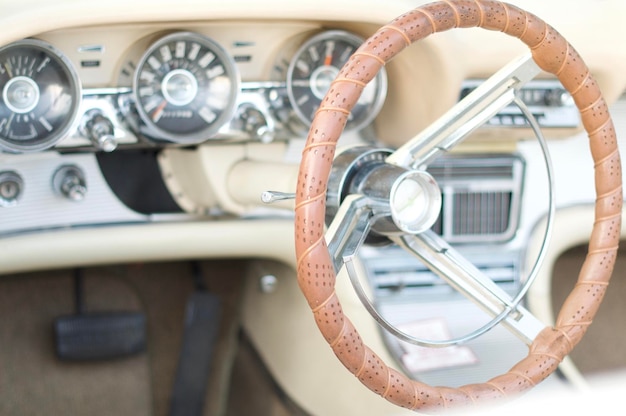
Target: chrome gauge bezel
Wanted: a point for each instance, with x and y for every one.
(379, 82)
(46, 133)
(149, 128)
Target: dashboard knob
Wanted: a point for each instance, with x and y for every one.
(100, 130)
(11, 185)
(69, 181)
(558, 97)
(254, 122)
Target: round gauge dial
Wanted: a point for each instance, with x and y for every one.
(314, 67)
(40, 95)
(185, 88)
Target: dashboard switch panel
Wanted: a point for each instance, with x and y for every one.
(547, 100)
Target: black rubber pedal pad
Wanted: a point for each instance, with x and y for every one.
(100, 336)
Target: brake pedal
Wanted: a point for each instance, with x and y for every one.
(98, 336)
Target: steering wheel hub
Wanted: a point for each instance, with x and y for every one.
(415, 202)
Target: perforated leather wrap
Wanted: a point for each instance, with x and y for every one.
(315, 271)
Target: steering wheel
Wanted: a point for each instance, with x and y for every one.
(397, 199)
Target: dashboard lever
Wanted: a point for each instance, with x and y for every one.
(269, 197)
(100, 130)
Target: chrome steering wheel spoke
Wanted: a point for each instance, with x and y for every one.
(451, 266)
(467, 115)
(351, 225)
(353, 222)
(393, 197)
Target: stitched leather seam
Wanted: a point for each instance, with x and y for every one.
(591, 283)
(415, 396)
(606, 158)
(359, 373)
(457, 17)
(309, 201)
(443, 399)
(386, 392)
(525, 25)
(603, 126)
(400, 31)
(337, 109)
(607, 218)
(319, 144)
(431, 19)
(545, 35)
(356, 81)
(495, 386)
(323, 304)
(615, 191)
(582, 84)
(553, 356)
(517, 373)
(558, 72)
(480, 9)
(567, 338)
(508, 18)
(309, 250)
(590, 106)
(582, 323)
(472, 398)
(337, 340)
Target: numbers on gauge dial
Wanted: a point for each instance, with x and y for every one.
(39, 93)
(186, 87)
(313, 68)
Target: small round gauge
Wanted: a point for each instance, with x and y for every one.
(185, 87)
(40, 95)
(314, 67)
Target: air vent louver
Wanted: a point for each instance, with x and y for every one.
(481, 213)
(481, 198)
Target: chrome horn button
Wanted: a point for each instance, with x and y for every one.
(406, 201)
(415, 201)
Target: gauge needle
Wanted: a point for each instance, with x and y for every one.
(330, 48)
(158, 112)
(8, 68)
(6, 124)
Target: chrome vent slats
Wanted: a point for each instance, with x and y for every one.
(481, 197)
(450, 171)
(477, 213)
(393, 273)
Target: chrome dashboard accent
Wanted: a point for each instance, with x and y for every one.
(551, 105)
(110, 103)
(262, 109)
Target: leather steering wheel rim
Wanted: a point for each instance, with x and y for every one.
(316, 275)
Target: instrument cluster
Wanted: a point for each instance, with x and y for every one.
(177, 88)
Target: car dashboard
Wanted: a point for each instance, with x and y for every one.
(174, 131)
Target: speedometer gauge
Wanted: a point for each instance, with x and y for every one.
(316, 64)
(39, 96)
(185, 88)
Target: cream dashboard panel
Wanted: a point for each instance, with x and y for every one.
(104, 56)
(425, 80)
